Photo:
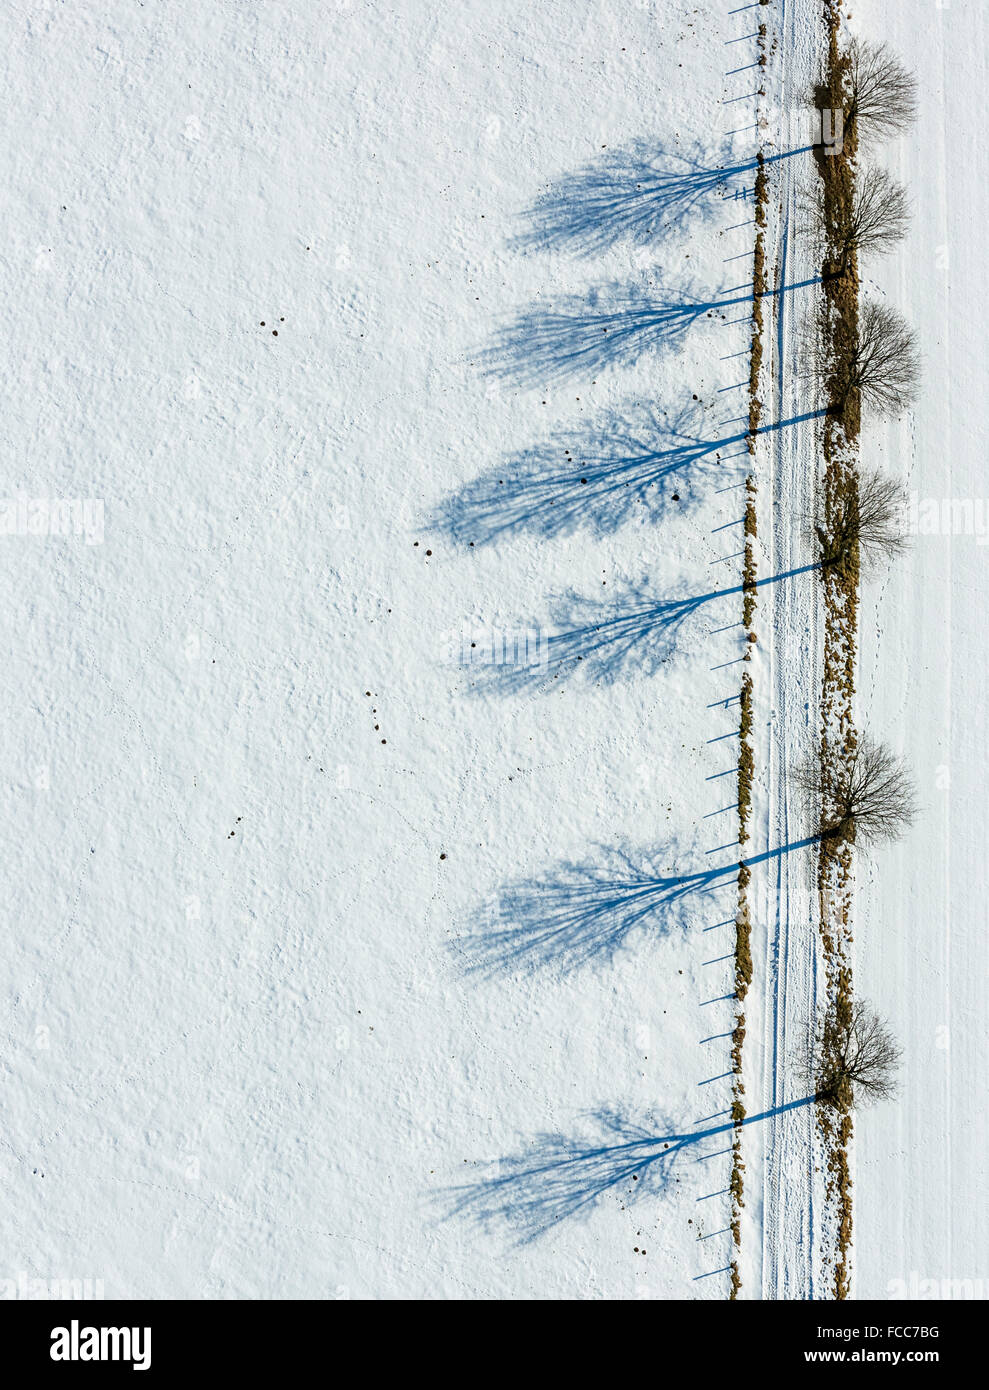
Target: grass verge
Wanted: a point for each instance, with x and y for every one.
(746, 758)
(839, 327)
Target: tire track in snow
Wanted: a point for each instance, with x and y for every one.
(791, 945)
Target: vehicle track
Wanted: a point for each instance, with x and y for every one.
(789, 895)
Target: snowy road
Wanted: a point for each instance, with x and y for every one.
(781, 1007)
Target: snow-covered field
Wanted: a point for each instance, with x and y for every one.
(322, 923)
(922, 1194)
(256, 806)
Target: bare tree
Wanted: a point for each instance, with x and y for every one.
(868, 796)
(882, 365)
(881, 94)
(870, 517)
(879, 217)
(885, 365)
(856, 1057)
(876, 221)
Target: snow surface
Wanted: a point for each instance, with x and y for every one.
(922, 1189)
(265, 803)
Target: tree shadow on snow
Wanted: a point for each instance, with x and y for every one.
(587, 912)
(558, 1177)
(613, 324)
(602, 640)
(624, 461)
(635, 195)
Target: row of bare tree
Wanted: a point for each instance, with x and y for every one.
(869, 795)
(880, 100)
